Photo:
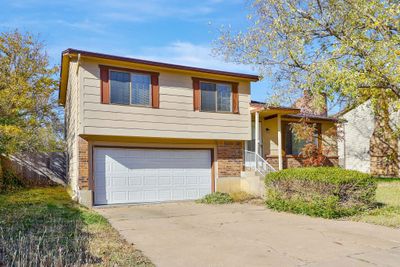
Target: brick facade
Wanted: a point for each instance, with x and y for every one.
(230, 158)
(83, 178)
(297, 162)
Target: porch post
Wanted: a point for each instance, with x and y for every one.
(257, 119)
(280, 161)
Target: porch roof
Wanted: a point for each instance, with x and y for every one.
(311, 116)
(260, 107)
(286, 112)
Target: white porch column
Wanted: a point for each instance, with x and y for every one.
(257, 130)
(280, 161)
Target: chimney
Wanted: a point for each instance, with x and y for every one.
(312, 104)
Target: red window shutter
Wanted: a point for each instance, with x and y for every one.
(196, 94)
(235, 98)
(155, 91)
(104, 85)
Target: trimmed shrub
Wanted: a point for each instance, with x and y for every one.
(216, 198)
(327, 192)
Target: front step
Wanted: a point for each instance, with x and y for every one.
(248, 174)
(252, 182)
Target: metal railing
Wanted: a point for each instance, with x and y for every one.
(255, 162)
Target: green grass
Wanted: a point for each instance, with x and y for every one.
(45, 227)
(216, 198)
(388, 198)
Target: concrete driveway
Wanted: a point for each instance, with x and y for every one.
(189, 234)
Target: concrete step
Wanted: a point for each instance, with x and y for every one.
(247, 173)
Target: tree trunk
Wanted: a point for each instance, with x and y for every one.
(384, 149)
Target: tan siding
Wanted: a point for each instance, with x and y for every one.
(329, 143)
(270, 137)
(72, 113)
(174, 119)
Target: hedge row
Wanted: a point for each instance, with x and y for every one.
(328, 192)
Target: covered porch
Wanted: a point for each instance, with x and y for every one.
(274, 142)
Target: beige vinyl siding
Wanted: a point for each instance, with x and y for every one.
(330, 143)
(174, 119)
(270, 138)
(72, 111)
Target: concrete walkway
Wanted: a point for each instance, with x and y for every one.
(189, 234)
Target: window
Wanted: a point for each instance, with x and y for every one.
(216, 97)
(293, 145)
(130, 88)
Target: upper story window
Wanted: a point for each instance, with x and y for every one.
(130, 88)
(216, 97)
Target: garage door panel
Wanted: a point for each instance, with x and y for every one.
(178, 194)
(178, 180)
(135, 181)
(150, 175)
(164, 181)
(119, 196)
(150, 195)
(135, 196)
(119, 181)
(164, 195)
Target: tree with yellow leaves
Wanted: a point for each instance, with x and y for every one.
(28, 115)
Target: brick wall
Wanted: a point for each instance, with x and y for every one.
(273, 160)
(230, 158)
(83, 179)
(296, 162)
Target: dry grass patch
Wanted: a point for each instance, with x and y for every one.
(243, 197)
(44, 227)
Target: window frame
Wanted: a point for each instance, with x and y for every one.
(106, 90)
(132, 72)
(286, 128)
(216, 95)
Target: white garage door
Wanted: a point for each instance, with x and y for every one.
(150, 175)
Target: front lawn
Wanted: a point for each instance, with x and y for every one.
(44, 227)
(388, 211)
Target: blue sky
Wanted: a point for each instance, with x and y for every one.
(171, 31)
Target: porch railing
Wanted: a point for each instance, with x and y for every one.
(255, 162)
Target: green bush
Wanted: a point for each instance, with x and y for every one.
(9, 182)
(216, 198)
(327, 192)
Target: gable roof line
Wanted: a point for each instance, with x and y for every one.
(70, 51)
(161, 64)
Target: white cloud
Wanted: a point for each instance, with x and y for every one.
(186, 53)
(133, 11)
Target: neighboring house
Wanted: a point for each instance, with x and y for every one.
(143, 131)
(360, 149)
(271, 130)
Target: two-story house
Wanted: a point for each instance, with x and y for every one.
(144, 131)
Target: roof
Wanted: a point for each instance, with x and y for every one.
(311, 116)
(296, 112)
(70, 51)
(262, 106)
